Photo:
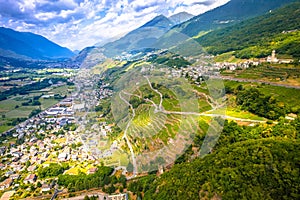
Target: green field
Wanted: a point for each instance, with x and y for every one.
(62, 90)
(47, 103)
(4, 128)
(203, 105)
(12, 108)
(117, 159)
(227, 57)
(236, 112)
(8, 105)
(22, 111)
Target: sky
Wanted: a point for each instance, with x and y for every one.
(76, 24)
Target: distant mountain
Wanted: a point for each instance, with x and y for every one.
(26, 45)
(229, 14)
(257, 37)
(110, 40)
(180, 17)
(140, 38)
(76, 52)
(89, 56)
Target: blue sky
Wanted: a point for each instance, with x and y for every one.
(80, 23)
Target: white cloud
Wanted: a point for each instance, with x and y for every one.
(45, 16)
(80, 23)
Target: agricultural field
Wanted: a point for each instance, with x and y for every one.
(117, 159)
(288, 74)
(23, 92)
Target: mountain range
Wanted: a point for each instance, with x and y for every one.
(145, 36)
(233, 12)
(26, 45)
(180, 31)
(175, 34)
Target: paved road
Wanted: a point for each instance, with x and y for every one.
(160, 107)
(55, 194)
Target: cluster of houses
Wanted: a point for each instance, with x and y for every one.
(197, 73)
(104, 91)
(38, 152)
(42, 134)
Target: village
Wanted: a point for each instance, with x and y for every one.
(53, 135)
(49, 137)
(199, 72)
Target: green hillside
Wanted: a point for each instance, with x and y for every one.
(248, 163)
(231, 13)
(257, 37)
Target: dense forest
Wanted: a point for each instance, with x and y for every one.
(265, 106)
(257, 37)
(254, 169)
(261, 162)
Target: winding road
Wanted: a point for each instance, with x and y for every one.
(127, 140)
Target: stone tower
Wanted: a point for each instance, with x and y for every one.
(274, 56)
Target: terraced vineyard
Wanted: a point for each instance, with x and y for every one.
(160, 117)
(274, 73)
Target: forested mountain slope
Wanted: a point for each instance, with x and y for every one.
(28, 45)
(257, 37)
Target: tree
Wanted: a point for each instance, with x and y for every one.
(123, 180)
(35, 112)
(39, 184)
(240, 87)
(27, 163)
(77, 186)
(121, 189)
(111, 189)
(130, 167)
(255, 102)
